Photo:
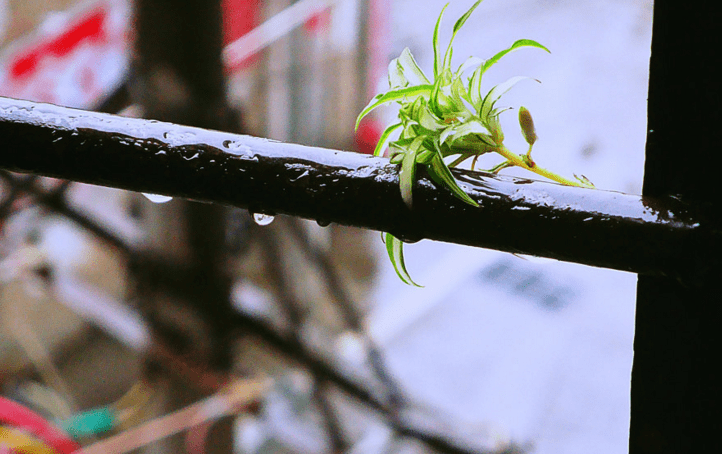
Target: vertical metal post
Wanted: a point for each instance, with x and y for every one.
(676, 386)
(178, 77)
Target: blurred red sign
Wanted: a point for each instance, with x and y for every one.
(239, 18)
(74, 59)
(91, 28)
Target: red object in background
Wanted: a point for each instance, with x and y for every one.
(377, 45)
(367, 136)
(15, 415)
(378, 42)
(319, 23)
(90, 28)
(239, 18)
(75, 58)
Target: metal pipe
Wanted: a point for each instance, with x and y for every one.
(675, 398)
(663, 236)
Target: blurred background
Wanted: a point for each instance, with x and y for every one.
(140, 305)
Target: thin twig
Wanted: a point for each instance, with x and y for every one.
(40, 357)
(292, 307)
(278, 278)
(339, 443)
(55, 201)
(211, 408)
(248, 325)
(350, 312)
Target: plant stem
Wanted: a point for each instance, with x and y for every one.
(461, 159)
(499, 167)
(519, 161)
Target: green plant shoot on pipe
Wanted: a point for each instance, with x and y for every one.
(449, 116)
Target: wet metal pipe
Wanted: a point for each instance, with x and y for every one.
(594, 227)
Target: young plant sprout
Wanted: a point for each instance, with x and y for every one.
(449, 117)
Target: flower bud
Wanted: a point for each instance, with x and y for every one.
(527, 125)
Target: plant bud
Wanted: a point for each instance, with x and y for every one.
(527, 125)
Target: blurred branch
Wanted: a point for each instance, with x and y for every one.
(281, 287)
(40, 357)
(339, 444)
(286, 297)
(237, 396)
(55, 201)
(350, 313)
(324, 371)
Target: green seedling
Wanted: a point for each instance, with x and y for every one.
(447, 120)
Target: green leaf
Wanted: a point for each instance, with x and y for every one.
(434, 97)
(407, 175)
(439, 171)
(457, 131)
(385, 138)
(475, 88)
(517, 44)
(492, 122)
(450, 130)
(457, 26)
(469, 63)
(404, 71)
(411, 69)
(411, 130)
(407, 93)
(432, 173)
(440, 100)
(419, 112)
(500, 110)
(447, 58)
(495, 93)
(425, 156)
(397, 157)
(462, 20)
(403, 142)
(461, 99)
(395, 249)
(584, 180)
(396, 75)
(435, 42)
(475, 144)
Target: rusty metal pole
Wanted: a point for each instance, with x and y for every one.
(676, 390)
